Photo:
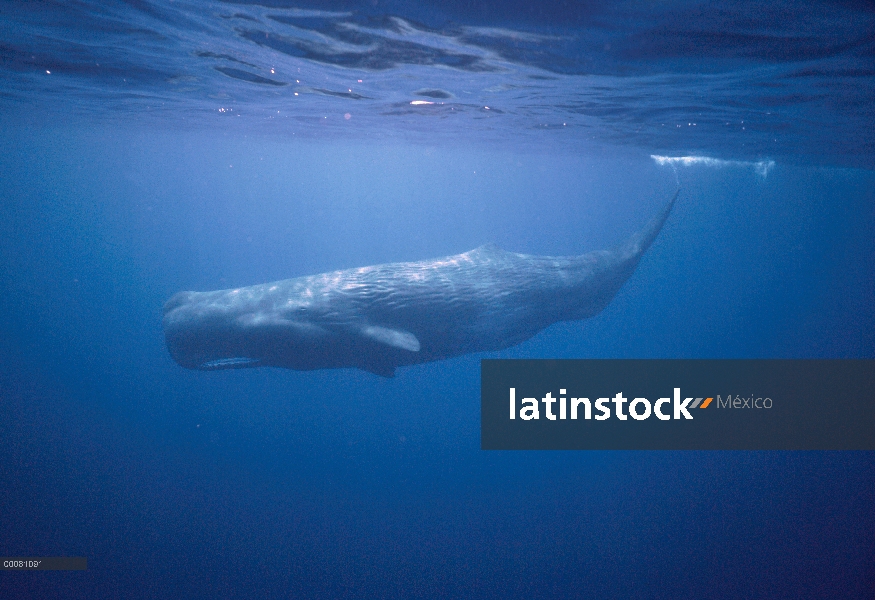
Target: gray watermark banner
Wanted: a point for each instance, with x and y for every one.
(43, 563)
(677, 404)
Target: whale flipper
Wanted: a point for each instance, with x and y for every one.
(396, 338)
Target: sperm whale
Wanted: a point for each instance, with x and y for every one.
(381, 317)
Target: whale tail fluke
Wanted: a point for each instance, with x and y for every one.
(634, 247)
(599, 275)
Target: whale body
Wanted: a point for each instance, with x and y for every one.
(381, 317)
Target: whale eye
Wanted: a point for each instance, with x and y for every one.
(229, 363)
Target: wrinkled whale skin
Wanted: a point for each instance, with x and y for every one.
(381, 317)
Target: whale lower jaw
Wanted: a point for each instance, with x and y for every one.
(237, 362)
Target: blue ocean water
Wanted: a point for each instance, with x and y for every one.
(153, 147)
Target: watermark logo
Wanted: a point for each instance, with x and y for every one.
(639, 408)
(670, 404)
